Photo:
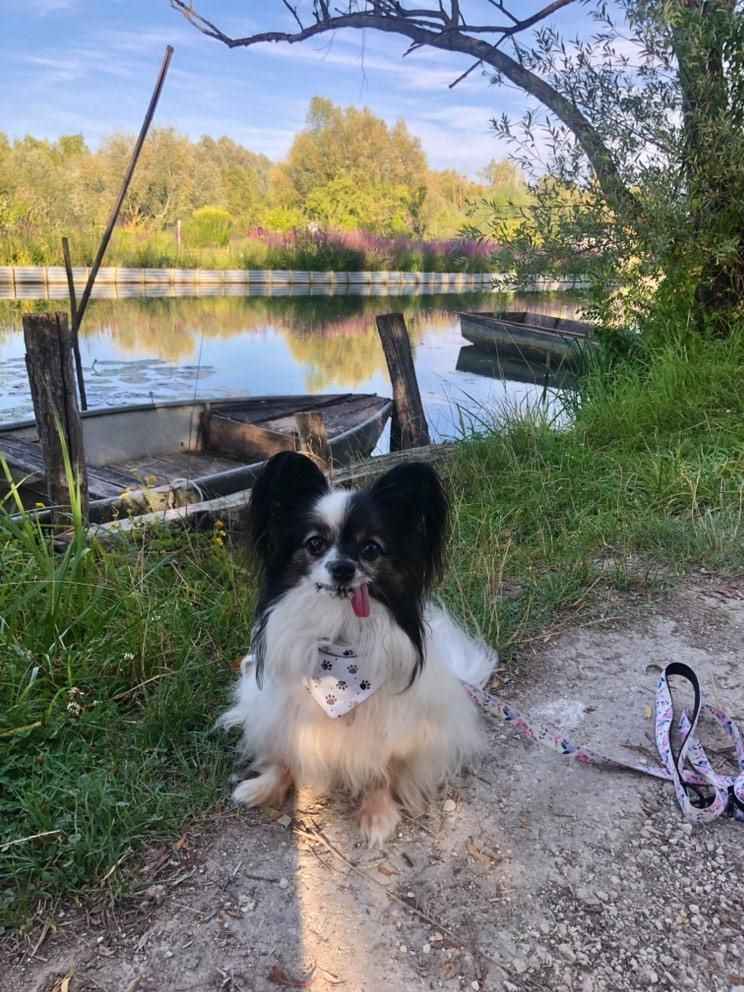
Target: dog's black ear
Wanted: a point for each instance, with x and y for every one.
(411, 497)
(286, 488)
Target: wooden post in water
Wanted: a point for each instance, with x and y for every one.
(48, 340)
(408, 426)
(313, 437)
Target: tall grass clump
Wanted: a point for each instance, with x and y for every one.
(644, 479)
(114, 666)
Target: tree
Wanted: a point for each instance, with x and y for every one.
(240, 178)
(348, 168)
(648, 130)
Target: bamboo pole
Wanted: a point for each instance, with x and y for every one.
(124, 187)
(75, 323)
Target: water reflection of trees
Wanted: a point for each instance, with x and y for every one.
(170, 327)
(333, 337)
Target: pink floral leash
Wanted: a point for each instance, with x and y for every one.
(703, 794)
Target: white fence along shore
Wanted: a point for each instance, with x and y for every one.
(49, 281)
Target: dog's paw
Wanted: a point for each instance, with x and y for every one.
(378, 817)
(270, 788)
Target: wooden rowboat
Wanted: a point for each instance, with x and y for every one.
(534, 337)
(146, 457)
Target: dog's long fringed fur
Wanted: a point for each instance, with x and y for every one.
(354, 568)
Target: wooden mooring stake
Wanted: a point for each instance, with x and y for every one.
(408, 427)
(313, 438)
(48, 340)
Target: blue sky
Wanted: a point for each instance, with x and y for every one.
(69, 66)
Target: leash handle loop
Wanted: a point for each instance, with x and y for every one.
(702, 793)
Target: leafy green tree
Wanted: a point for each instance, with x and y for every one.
(241, 180)
(348, 167)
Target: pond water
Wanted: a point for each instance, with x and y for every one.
(139, 350)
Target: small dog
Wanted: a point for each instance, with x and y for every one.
(356, 679)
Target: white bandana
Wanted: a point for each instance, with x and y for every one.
(339, 682)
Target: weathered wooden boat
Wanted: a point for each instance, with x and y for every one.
(147, 457)
(534, 337)
(495, 365)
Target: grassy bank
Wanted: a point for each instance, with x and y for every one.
(115, 664)
(113, 667)
(647, 482)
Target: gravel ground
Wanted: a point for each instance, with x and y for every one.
(531, 873)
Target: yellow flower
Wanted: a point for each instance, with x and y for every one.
(39, 505)
(218, 540)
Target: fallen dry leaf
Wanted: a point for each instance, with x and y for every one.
(386, 871)
(482, 854)
(647, 712)
(63, 984)
(451, 968)
(280, 976)
(182, 844)
(474, 853)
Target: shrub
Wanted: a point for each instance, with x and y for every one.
(209, 227)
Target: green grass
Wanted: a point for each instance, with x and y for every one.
(115, 663)
(114, 667)
(646, 481)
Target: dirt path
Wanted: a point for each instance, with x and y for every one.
(534, 873)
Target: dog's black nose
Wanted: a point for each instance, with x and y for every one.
(341, 571)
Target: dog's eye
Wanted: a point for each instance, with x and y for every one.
(370, 550)
(315, 545)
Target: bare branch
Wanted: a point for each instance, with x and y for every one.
(464, 75)
(293, 12)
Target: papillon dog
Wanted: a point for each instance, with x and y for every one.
(355, 678)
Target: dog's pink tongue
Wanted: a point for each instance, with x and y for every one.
(360, 601)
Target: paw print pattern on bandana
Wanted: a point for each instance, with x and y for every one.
(340, 682)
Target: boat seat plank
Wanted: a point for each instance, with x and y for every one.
(274, 409)
(338, 418)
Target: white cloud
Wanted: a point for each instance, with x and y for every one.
(44, 7)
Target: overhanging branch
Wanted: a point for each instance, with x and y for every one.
(448, 30)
